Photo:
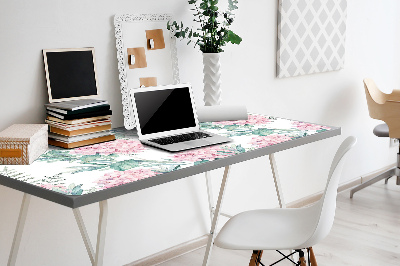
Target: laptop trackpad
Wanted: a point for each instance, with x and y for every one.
(198, 143)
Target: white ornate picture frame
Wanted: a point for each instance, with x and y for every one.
(130, 32)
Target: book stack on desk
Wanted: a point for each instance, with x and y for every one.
(79, 123)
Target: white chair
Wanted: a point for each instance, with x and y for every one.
(287, 229)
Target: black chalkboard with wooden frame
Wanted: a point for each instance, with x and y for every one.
(70, 74)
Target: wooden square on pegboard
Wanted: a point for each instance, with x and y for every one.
(158, 39)
(139, 57)
(148, 82)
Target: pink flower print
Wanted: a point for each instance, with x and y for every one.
(119, 146)
(252, 120)
(117, 178)
(264, 141)
(207, 153)
(308, 126)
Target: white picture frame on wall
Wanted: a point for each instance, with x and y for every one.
(130, 32)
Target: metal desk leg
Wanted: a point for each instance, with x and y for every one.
(277, 182)
(101, 233)
(19, 230)
(210, 195)
(85, 236)
(95, 258)
(215, 217)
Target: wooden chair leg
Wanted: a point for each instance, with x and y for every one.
(255, 257)
(302, 259)
(313, 260)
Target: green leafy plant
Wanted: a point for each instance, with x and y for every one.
(214, 32)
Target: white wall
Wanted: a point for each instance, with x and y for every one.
(146, 222)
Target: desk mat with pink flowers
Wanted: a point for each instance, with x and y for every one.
(93, 168)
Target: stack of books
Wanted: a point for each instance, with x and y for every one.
(79, 123)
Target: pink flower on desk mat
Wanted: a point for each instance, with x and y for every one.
(252, 120)
(308, 126)
(264, 141)
(207, 153)
(123, 177)
(117, 146)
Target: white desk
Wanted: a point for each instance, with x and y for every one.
(124, 166)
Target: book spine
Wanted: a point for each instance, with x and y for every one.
(77, 132)
(61, 111)
(80, 116)
(79, 111)
(78, 121)
(81, 143)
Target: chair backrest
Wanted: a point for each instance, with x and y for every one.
(327, 203)
(384, 106)
(373, 99)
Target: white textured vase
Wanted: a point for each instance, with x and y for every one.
(212, 75)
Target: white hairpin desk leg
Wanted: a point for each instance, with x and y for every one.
(277, 182)
(101, 233)
(85, 236)
(215, 217)
(95, 258)
(210, 194)
(19, 229)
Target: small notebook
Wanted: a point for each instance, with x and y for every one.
(79, 116)
(68, 127)
(81, 143)
(79, 111)
(78, 121)
(77, 104)
(72, 139)
(70, 133)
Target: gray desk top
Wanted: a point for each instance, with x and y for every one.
(86, 175)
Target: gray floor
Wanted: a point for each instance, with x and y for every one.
(366, 232)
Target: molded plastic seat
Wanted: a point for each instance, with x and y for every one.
(381, 130)
(272, 229)
(269, 229)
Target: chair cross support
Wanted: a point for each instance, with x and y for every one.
(256, 258)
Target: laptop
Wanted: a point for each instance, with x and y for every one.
(166, 118)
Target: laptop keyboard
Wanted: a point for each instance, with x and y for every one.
(180, 138)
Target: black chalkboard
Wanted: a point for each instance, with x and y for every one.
(70, 73)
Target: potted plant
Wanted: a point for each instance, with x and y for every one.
(212, 35)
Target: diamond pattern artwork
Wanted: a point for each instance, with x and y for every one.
(311, 36)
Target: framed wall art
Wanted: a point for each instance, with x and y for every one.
(311, 36)
(70, 74)
(146, 53)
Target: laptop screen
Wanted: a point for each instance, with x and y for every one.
(164, 110)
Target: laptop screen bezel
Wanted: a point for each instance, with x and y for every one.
(132, 93)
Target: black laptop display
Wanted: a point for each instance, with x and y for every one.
(166, 118)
